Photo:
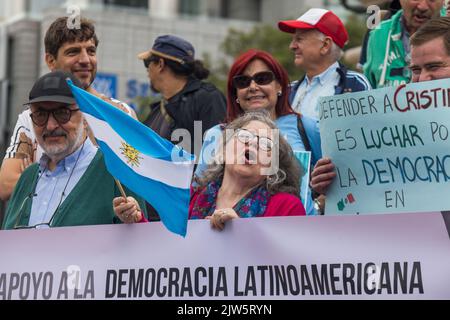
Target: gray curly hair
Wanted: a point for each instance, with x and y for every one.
(287, 175)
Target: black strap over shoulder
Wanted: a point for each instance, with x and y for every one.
(302, 132)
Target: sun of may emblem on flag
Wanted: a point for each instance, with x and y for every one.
(131, 154)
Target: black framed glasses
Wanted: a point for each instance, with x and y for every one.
(245, 136)
(62, 115)
(261, 78)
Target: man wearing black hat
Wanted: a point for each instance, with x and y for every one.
(71, 50)
(174, 72)
(70, 185)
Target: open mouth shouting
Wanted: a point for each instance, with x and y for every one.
(250, 156)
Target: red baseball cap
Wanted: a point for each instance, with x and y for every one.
(323, 20)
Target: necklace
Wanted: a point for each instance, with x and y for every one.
(237, 199)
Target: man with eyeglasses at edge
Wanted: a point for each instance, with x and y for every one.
(72, 50)
(70, 185)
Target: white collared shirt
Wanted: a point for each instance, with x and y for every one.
(309, 91)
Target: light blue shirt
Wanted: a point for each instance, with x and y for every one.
(51, 184)
(309, 91)
(289, 130)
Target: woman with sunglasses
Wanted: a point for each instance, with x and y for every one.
(255, 175)
(258, 82)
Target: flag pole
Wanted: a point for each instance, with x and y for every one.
(122, 192)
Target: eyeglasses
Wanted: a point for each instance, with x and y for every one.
(18, 226)
(245, 136)
(61, 115)
(261, 78)
(34, 194)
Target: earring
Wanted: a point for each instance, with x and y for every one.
(238, 101)
(271, 179)
(279, 93)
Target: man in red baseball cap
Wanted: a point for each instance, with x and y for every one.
(318, 37)
(317, 42)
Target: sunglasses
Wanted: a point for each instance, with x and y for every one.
(245, 136)
(150, 60)
(147, 63)
(61, 115)
(261, 78)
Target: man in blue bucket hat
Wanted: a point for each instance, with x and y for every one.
(186, 101)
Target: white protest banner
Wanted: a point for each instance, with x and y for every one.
(404, 256)
(391, 149)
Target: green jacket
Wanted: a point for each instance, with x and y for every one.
(386, 65)
(89, 203)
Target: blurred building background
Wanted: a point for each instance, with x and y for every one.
(125, 28)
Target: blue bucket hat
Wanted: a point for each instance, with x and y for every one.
(171, 47)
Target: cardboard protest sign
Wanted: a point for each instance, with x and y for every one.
(391, 148)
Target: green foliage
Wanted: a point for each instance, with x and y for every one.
(356, 28)
(142, 104)
(263, 37)
(272, 40)
(219, 72)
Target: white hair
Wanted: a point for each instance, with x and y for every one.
(336, 52)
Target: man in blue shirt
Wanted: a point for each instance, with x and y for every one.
(317, 42)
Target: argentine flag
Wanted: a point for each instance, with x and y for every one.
(146, 163)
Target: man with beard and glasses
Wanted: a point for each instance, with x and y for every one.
(71, 50)
(70, 185)
(388, 49)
